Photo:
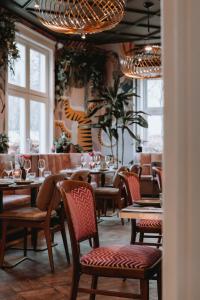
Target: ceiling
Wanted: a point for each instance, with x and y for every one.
(133, 27)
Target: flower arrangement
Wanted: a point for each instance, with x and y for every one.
(4, 143)
(8, 48)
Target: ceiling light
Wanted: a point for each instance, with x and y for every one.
(143, 64)
(80, 16)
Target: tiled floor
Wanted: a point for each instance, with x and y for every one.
(34, 281)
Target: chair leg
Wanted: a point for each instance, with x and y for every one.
(3, 243)
(159, 285)
(144, 289)
(34, 238)
(25, 241)
(159, 241)
(74, 286)
(141, 238)
(63, 233)
(133, 231)
(47, 233)
(94, 286)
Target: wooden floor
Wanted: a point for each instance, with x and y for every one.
(32, 280)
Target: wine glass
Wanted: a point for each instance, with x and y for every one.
(97, 159)
(8, 168)
(27, 166)
(107, 160)
(83, 161)
(41, 165)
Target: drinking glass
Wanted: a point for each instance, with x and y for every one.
(47, 173)
(8, 168)
(32, 176)
(41, 165)
(27, 166)
(17, 174)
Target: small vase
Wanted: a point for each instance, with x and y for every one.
(23, 173)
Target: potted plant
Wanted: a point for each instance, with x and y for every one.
(117, 118)
(4, 143)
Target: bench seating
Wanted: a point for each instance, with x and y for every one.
(54, 162)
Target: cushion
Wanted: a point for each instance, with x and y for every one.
(27, 213)
(120, 256)
(101, 191)
(150, 224)
(81, 206)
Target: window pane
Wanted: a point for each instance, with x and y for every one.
(37, 71)
(16, 124)
(37, 127)
(155, 93)
(155, 134)
(19, 76)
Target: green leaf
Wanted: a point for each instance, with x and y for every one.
(131, 133)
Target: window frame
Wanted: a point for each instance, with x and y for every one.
(33, 40)
(143, 105)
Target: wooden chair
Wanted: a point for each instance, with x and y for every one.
(158, 176)
(132, 184)
(106, 194)
(137, 169)
(39, 217)
(115, 261)
(81, 175)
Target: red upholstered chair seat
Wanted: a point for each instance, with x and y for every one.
(155, 225)
(121, 256)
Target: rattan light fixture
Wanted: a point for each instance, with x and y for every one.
(145, 63)
(80, 16)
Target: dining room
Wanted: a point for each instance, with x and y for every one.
(99, 149)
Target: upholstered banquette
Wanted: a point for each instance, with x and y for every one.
(146, 161)
(53, 162)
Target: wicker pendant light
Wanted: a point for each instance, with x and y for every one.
(144, 64)
(80, 16)
(146, 61)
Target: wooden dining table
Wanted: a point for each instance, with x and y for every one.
(136, 212)
(94, 171)
(33, 187)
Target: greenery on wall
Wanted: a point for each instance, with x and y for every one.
(8, 48)
(78, 67)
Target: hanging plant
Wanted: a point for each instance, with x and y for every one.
(8, 49)
(76, 68)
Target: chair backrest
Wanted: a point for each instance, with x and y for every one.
(48, 193)
(158, 174)
(132, 184)
(137, 169)
(116, 179)
(81, 175)
(80, 210)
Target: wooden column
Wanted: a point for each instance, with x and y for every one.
(181, 57)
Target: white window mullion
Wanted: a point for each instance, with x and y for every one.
(37, 95)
